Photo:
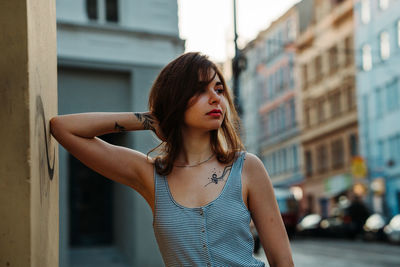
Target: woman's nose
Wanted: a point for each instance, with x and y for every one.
(214, 97)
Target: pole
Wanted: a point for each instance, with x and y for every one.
(235, 65)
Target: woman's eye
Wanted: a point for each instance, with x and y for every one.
(219, 90)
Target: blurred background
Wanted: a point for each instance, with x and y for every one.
(317, 88)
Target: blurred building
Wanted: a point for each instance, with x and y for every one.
(377, 43)
(109, 53)
(329, 125)
(250, 96)
(270, 97)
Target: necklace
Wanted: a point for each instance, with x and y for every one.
(197, 164)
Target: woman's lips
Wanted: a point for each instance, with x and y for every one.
(215, 113)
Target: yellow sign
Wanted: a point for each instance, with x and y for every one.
(358, 168)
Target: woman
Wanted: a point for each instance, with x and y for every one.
(203, 188)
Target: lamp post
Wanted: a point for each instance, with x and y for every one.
(238, 64)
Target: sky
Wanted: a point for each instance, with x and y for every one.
(207, 25)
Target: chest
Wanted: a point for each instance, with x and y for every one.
(198, 187)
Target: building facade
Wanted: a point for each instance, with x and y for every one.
(109, 53)
(249, 97)
(279, 134)
(377, 43)
(270, 96)
(325, 56)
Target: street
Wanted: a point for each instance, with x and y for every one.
(338, 253)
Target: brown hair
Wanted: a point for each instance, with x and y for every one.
(176, 84)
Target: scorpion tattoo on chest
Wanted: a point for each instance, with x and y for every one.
(215, 178)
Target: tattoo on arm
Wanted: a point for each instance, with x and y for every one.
(119, 128)
(146, 120)
(214, 177)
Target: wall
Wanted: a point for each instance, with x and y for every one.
(29, 170)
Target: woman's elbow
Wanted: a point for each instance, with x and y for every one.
(55, 126)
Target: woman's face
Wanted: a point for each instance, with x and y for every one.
(207, 110)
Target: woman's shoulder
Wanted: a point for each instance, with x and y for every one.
(253, 166)
(251, 159)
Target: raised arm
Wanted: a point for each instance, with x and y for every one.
(77, 134)
(265, 213)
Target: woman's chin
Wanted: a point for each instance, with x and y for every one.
(215, 127)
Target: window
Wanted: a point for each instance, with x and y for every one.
(307, 115)
(278, 162)
(384, 45)
(295, 161)
(392, 149)
(270, 124)
(392, 95)
(397, 144)
(292, 112)
(274, 163)
(322, 158)
(353, 145)
(365, 11)
(321, 110)
(285, 160)
(383, 4)
(351, 100)
(378, 102)
(305, 76)
(366, 58)
(337, 153)
(288, 116)
(91, 9)
(270, 89)
(274, 121)
(381, 152)
(318, 68)
(265, 125)
(308, 163)
(398, 33)
(282, 117)
(291, 74)
(102, 10)
(348, 42)
(112, 10)
(335, 104)
(365, 109)
(333, 59)
(281, 85)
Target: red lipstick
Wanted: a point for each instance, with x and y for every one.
(215, 113)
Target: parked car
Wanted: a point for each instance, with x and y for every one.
(309, 225)
(392, 230)
(373, 228)
(339, 226)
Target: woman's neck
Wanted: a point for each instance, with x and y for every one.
(196, 147)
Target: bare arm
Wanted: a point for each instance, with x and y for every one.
(265, 213)
(77, 134)
(93, 124)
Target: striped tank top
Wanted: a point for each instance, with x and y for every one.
(217, 234)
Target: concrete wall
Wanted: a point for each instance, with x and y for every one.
(157, 16)
(90, 87)
(29, 164)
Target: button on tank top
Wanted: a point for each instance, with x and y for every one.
(216, 234)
